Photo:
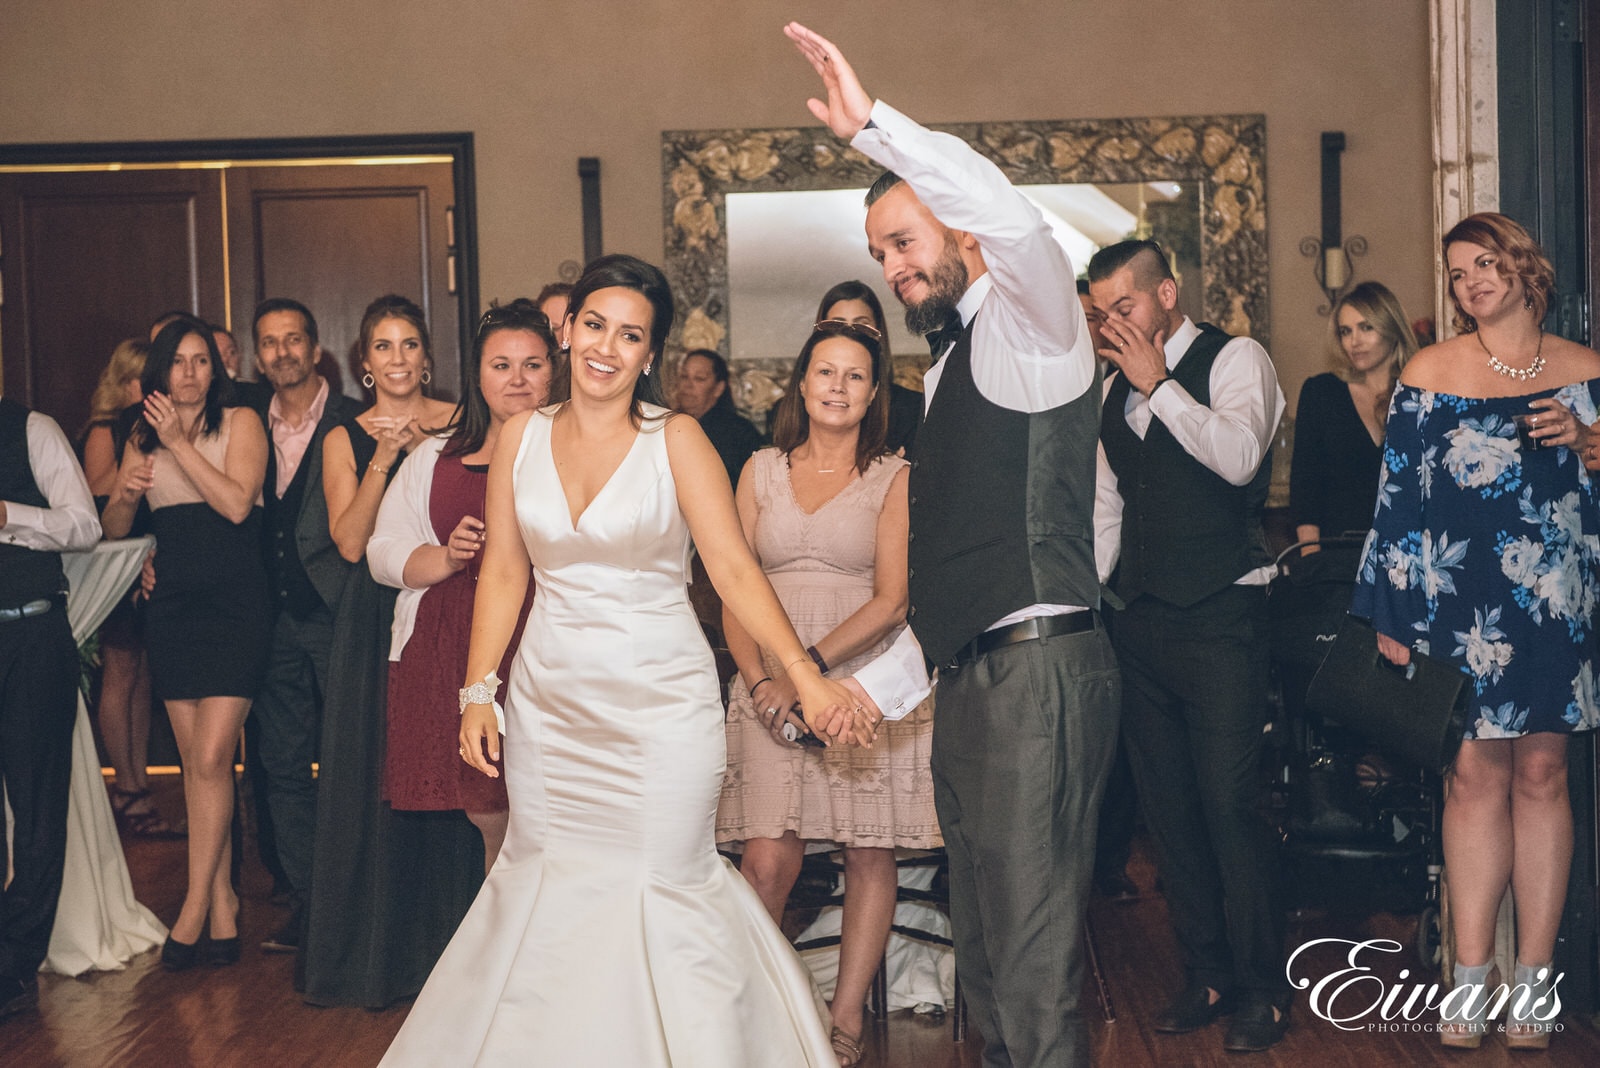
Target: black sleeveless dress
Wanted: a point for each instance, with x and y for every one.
(388, 888)
(209, 624)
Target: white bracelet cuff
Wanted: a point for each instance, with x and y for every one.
(482, 693)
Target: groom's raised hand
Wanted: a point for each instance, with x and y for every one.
(848, 107)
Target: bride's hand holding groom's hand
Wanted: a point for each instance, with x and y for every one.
(839, 712)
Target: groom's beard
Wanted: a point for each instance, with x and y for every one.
(945, 286)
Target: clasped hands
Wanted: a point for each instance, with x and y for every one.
(777, 707)
(847, 716)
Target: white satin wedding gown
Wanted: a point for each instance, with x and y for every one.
(609, 932)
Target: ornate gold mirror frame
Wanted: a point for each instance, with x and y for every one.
(1226, 154)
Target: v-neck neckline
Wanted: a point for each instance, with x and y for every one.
(565, 501)
(788, 479)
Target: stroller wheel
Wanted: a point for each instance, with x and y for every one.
(1429, 941)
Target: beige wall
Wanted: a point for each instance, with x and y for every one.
(542, 82)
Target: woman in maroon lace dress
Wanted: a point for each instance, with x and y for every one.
(427, 542)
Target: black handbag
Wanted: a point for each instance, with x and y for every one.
(1412, 712)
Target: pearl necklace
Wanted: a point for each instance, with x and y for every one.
(1519, 373)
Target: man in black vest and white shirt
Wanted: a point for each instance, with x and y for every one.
(45, 510)
(1003, 585)
(1186, 434)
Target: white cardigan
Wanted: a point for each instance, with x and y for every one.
(404, 526)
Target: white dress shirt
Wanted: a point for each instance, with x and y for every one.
(1031, 347)
(1230, 437)
(70, 522)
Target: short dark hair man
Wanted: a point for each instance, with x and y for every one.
(307, 576)
(1186, 433)
(247, 393)
(1002, 582)
(45, 510)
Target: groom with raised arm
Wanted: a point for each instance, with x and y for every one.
(1004, 589)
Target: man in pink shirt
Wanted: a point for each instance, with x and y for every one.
(307, 577)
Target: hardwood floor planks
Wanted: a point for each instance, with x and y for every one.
(248, 1014)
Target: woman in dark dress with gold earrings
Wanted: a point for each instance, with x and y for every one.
(376, 920)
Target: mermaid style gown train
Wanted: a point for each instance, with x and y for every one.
(609, 931)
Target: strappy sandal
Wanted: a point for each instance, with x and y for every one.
(147, 823)
(1465, 1028)
(1532, 1026)
(847, 1048)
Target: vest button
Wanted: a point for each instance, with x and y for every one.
(911, 572)
(912, 536)
(912, 501)
(911, 611)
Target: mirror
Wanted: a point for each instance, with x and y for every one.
(733, 298)
(785, 249)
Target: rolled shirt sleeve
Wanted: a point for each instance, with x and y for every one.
(70, 522)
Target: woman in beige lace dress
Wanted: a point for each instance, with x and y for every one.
(826, 513)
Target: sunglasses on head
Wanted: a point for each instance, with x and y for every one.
(501, 315)
(844, 327)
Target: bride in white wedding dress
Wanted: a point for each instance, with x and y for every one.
(609, 931)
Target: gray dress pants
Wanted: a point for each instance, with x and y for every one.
(1022, 742)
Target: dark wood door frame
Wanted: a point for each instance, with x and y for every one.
(458, 146)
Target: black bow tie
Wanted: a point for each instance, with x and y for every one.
(946, 335)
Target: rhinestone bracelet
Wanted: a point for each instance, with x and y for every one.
(480, 693)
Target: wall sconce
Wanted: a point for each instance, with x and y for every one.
(1330, 254)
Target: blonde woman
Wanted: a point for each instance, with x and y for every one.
(1338, 437)
(117, 389)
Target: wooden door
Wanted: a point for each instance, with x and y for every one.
(88, 259)
(334, 237)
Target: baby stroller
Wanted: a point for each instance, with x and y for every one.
(1361, 828)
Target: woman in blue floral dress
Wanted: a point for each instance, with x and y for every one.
(1485, 552)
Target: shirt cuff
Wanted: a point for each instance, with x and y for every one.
(20, 520)
(1170, 401)
(897, 681)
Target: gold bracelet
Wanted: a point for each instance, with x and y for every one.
(380, 470)
(803, 660)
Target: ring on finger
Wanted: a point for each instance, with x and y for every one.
(772, 711)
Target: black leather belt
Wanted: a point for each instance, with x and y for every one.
(1026, 631)
(26, 611)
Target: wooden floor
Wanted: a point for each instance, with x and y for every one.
(248, 1014)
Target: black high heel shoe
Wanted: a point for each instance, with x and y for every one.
(179, 956)
(222, 951)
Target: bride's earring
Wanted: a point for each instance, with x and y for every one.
(647, 370)
(427, 376)
(368, 381)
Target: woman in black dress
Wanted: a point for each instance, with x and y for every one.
(200, 467)
(1338, 437)
(387, 888)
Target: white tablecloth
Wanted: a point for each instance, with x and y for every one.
(99, 926)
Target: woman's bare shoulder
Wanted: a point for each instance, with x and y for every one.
(1571, 361)
(1431, 367)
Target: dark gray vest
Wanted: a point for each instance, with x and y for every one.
(1187, 532)
(1002, 509)
(25, 574)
